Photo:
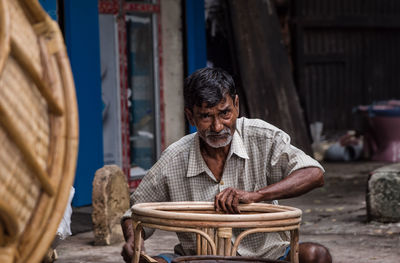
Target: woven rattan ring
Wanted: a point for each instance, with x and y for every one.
(214, 230)
(38, 130)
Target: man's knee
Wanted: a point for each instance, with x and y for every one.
(314, 253)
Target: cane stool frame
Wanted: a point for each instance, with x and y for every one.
(214, 230)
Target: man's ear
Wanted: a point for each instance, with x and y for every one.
(236, 103)
(189, 116)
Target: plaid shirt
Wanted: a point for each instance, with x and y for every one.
(260, 155)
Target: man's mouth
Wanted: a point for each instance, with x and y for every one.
(218, 137)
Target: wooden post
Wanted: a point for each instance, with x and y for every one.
(265, 70)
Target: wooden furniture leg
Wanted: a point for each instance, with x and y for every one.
(137, 231)
(294, 246)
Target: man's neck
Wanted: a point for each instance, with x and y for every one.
(215, 153)
(215, 158)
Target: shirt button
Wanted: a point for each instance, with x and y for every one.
(221, 182)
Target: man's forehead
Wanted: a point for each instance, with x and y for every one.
(223, 103)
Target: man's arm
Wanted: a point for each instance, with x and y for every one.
(127, 249)
(297, 183)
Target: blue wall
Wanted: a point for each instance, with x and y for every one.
(195, 35)
(195, 38)
(82, 40)
(51, 7)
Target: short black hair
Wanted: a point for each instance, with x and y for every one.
(209, 85)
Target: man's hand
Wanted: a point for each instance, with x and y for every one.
(229, 199)
(127, 249)
(297, 183)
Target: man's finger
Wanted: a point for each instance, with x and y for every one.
(222, 200)
(216, 202)
(125, 256)
(235, 204)
(229, 201)
(217, 198)
(127, 252)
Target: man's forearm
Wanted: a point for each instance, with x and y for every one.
(297, 183)
(127, 229)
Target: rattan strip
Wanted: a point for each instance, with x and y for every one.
(16, 195)
(26, 106)
(23, 33)
(36, 12)
(12, 99)
(20, 210)
(23, 59)
(18, 138)
(258, 230)
(28, 99)
(150, 210)
(182, 229)
(208, 206)
(18, 182)
(210, 223)
(4, 33)
(8, 221)
(7, 254)
(13, 168)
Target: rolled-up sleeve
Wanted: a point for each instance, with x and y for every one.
(149, 190)
(286, 158)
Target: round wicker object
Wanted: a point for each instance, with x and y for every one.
(214, 230)
(38, 130)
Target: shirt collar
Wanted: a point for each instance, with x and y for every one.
(197, 165)
(237, 146)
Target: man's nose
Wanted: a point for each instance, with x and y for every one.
(217, 125)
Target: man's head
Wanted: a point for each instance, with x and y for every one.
(209, 85)
(211, 104)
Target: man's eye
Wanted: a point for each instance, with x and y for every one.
(225, 113)
(204, 116)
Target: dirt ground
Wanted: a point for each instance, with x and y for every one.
(334, 215)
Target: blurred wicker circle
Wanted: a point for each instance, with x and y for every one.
(38, 130)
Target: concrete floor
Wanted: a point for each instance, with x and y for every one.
(334, 215)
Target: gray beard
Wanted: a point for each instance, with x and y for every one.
(219, 144)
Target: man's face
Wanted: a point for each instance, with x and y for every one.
(217, 124)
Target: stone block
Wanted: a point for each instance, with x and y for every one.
(110, 199)
(383, 194)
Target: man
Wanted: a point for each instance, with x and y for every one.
(229, 161)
